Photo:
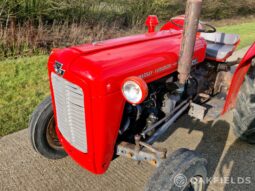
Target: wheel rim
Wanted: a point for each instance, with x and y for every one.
(52, 137)
(196, 184)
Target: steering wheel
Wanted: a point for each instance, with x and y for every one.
(207, 28)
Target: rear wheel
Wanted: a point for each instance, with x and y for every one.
(244, 117)
(43, 133)
(183, 170)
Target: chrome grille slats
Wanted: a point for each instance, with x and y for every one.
(70, 110)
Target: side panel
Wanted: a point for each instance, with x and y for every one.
(107, 116)
(238, 79)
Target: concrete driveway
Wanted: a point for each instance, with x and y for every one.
(23, 169)
(231, 163)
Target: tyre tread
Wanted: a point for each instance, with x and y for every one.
(36, 124)
(244, 112)
(177, 163)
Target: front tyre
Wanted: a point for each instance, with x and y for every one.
(244, 118)
(183, 170)
(42, 131)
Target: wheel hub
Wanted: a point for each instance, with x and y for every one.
(196, 184)
(52, 137)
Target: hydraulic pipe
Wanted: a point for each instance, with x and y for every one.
(165, 127)
(193, 11)
(165, 119)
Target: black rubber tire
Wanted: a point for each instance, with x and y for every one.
(182, 162)
(37, 131)
(244, 117)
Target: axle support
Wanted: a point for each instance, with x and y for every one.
(142, 152)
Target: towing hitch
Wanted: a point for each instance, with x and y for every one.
(142, 152)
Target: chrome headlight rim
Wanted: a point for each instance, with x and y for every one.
(134, 90)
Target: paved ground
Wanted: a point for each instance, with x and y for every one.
(23, 169)
(238, 54)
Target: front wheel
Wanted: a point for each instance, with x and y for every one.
(42, 132)
(244, 118)
(183, 170)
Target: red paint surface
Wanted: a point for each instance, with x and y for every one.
(238, 78)
(177, 23)
(151, 22)
(100, 69)
(179, 20)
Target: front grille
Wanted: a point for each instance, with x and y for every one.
(70, 110)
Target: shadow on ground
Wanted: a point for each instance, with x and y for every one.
(231, 162)
(23, 169)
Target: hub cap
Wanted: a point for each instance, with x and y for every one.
(195, 184)
(52, 137)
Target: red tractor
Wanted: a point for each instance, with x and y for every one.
(117, 97)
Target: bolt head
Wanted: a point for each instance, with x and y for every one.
(253, 62)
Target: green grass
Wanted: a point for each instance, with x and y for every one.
(23, 85)
(245, 30)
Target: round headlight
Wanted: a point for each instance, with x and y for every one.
(135, 90)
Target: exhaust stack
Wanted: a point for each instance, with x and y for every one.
(193, 11)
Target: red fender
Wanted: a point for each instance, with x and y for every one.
(178, 20)
(176, 23)
(238, 79)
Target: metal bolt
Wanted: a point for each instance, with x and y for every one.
(137, 143)
(253, 62)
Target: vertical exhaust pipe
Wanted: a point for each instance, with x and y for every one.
(192, 15)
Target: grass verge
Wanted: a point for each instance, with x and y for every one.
(245, 30)
(23, 85)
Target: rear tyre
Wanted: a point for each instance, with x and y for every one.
(244, 118)
(183, 170)
(42, 132)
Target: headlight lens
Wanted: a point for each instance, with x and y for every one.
(134, 90)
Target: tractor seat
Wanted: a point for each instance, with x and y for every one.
(220, 46)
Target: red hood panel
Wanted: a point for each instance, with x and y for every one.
(150, 56)
(125, 41)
